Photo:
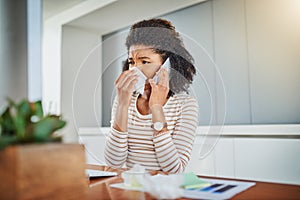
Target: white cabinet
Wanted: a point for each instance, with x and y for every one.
(261, 153)
(261, 159)
(268, 159)
(94, 148)
(225, 157)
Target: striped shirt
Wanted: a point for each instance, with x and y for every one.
(169, 151)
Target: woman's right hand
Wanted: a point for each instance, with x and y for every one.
(124, 85)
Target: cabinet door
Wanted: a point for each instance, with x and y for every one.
(224, 158)
(218, 160)
(94, 148)
(202, 162)
(274, 160)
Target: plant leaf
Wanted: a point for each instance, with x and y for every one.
(24, 109)
(6, 123)
(20, 125)
(37, 109)
(7, 140)
(24, 123)
(44, 128)
(11, 103)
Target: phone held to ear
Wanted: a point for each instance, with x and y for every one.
(139, 86)
(167, 66)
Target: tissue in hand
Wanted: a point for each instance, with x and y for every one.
(140, 85)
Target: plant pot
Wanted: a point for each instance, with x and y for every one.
(43, 171)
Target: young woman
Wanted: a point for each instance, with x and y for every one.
(156, 127)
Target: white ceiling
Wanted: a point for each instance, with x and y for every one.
(54, 7)
(123, 13)
(116, 15)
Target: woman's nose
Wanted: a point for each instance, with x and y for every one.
(138, 66)
(133, 66)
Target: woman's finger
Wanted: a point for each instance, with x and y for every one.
(122, 81)
(160, 77)
(132, 83)
(123, 75)
(163, 77)
(166, 79)
(152, 83)
(129, 81)
(120, 77)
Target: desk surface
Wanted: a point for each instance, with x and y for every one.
(99, 189)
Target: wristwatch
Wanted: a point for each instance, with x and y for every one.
(158, 126)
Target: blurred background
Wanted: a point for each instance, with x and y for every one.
(247, 53)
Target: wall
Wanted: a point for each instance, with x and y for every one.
(13, 49)
(52, 55)
(273, 44)
(113, 56)
(34, 37)
(255, 47)
(81, 75)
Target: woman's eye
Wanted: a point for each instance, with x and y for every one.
(145, 62)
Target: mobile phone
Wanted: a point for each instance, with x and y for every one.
(166, 65)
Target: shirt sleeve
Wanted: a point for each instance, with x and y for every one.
(173, 150)
(116, 145)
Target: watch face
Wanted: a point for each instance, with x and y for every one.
(158, 126)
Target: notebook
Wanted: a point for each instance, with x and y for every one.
(91, 173)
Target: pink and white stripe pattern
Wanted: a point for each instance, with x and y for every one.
(169, 152)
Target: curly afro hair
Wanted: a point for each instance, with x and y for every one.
(161, 36)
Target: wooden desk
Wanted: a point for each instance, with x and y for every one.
(99, 189)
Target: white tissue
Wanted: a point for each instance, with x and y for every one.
(164, 186)
(140, 85)
(134, 177)
(159, 186)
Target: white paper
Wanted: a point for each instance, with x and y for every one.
(213, 194)
(155, 186)
(98, 173)
(124, 187)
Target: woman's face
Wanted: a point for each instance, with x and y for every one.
(144, 58)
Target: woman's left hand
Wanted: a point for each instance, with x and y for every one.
(159, 91)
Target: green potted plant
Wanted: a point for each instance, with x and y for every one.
(34, 163)
(26, 123)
